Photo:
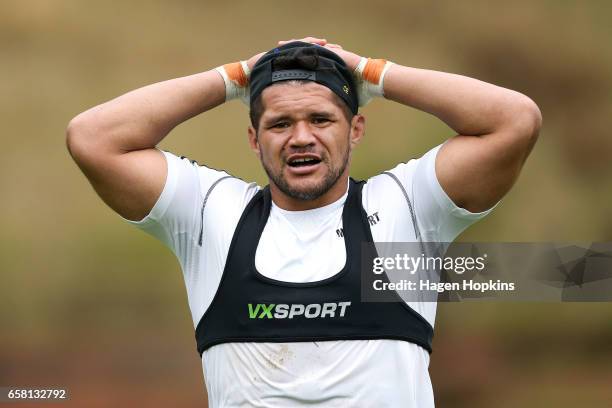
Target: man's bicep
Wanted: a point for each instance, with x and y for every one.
(129, 183)
(477, 171)
(439, 217)
(176, 213)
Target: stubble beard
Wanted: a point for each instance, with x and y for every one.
(315, 191)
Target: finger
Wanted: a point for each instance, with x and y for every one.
(337, 50)
(314, 40)
(311, 40)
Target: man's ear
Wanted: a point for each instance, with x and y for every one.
(253, 142)
(357, 129)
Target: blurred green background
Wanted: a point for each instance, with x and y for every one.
(91, 304)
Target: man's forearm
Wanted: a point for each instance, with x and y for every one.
(140, 119)
(467, 105)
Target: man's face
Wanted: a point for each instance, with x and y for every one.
(304, 139)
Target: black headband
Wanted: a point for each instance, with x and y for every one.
(330, 71)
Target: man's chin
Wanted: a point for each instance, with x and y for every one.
(308, 188)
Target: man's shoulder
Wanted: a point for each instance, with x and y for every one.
(211, 178)
(223, 199)
(223, 191)
(387, 199)
(389, 181)
(221, 194)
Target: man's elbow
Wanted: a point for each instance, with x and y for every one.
(521, 126)
(526, 119)
(80, 137)
(74, 136)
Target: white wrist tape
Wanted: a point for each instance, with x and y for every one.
(236, 78)
(369, 78)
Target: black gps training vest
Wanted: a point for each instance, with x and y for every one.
(249, 307)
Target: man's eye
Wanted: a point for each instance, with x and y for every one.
(320, 120)
(280, 125)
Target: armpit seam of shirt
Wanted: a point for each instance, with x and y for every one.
(204, 201)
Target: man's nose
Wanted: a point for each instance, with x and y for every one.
(302, 134)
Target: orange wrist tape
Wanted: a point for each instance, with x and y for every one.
(236, 73)
(373, 70)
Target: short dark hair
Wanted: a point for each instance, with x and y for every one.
(300, 58)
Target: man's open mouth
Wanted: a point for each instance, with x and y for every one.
(303, 162)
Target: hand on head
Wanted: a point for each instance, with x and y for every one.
(368, 74)
(311, 40)
(351, 59)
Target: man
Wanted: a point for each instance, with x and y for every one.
(271, 274)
